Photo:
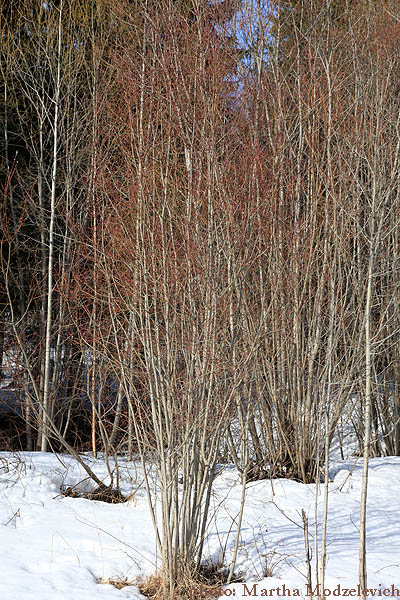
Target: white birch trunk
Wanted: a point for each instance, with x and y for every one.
(47, 360)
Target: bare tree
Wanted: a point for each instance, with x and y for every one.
(166, 259)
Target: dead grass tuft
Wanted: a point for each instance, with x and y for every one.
(207, 584)
(101, 493)
(273, 560)
(151, 587)
(117, 582)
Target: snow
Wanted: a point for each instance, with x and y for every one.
(59, 548)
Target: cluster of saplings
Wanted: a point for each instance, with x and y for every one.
(200, 239)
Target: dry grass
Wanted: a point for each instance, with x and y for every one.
(207, 584)
(152, 589)
(272, 561)
(117, 582)
(101, 493)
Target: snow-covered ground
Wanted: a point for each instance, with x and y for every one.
(61, 548)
